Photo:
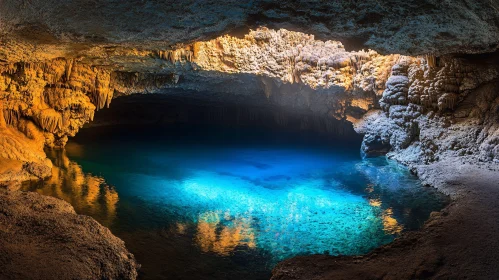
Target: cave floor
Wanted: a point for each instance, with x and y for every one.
(459, 242)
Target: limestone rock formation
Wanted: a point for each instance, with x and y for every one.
(352, 78)
(434, 110)
(49, 101)
(422, 97)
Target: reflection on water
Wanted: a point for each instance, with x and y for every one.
(219, 233)
(231, 206)
(390, 224)
(87, 193)
(236, 212)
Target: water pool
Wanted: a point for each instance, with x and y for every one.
(198, 202)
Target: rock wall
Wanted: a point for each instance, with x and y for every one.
(435, 110)
(44, 103)
(284, 58)
(60, 61)
(428, 106)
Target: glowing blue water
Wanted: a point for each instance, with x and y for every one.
(264, 195)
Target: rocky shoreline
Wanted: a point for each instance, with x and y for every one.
(42, 237)
(455, 243)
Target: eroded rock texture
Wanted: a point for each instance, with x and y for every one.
(428, 106)
(350, 81)
(409, 27)
(434, 110)
(43, 238)
(44, 103)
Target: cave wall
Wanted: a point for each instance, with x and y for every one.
(429, 106)
(418, 108)
(403, 76)
(447, 108)
(46, 102)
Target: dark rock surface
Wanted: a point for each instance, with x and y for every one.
(43, 238)
(407, 27)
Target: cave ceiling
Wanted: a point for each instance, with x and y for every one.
(45, 29)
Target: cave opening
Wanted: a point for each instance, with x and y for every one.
(226, 189)
(249, 140)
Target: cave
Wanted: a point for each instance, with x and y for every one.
(257, 140)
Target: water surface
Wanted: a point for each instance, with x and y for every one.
(197, 202)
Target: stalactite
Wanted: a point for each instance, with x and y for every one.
(176, 78)
(195, 48)
(11, 116)
(102, 93)
(181, 54)
(447, 101)
(58, 95)
(431, 60)
(268, 85)
(12, 68)
(2, 118)
(69, 67)
(49, 120)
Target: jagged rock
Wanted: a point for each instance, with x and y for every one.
(293, 70)
(11, 185)
(291, 57)
(38, 170)
(395, 92)
(373, 146)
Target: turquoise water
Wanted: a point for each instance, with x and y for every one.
(225, 203)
